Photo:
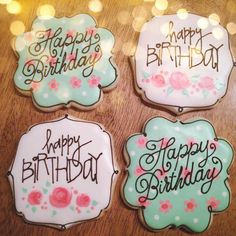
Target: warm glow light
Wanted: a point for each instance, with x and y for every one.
(202, 23)
(165, 29)
(46, 11)
(231, 27)
(182, 14)
(128, 48)
(217, 33)
(156, 12)
(161, 4)
(17, 27)
(214, 19)
(5, 1)
(95, 5)
(123, 17)
(18, 44)
(138, 23)
(14, 7)
(140, 12)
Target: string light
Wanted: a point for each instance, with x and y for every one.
(14, 7)
(124, 17)
(46, 11)
(17, 27)
(182, 14)
(161, 4)
(95, 5)
(231, 27)
(156, 12)
(5, 1)
(214, 19)
(202, 23)
(217, 33)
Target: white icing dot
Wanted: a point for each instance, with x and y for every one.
(45, 95)
(132, 153)
(19, 77)
(156, 217)
(175, 192)
(84, 93)
(177, 218)
(130, 189)
(155, 127)
(153, 191)
(199, 193)
(198, 127)
(177, 128)
(65, 95)
(224, 194)
(224, 160)
(195, 220)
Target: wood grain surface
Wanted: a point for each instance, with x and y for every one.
(122, 112)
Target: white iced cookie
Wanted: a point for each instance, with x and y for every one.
(183, 64)
(63, 173)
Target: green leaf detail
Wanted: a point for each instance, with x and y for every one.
(33, 209)
(54, 213)
(24, 190)
(72, 208)
(48, 184)
(205, 93)
(219, 85)
(169, 90)
(45, 191)
(185, 92)
(145, 75)
(94, 203)
(194, 78)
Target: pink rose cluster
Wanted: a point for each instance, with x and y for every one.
(60, 198)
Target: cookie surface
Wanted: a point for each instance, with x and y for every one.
(182, 64)
(63, 173)
(65, 62)
(177, 174)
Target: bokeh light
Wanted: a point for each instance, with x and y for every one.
(5, 1)
(138, 23)
(128, 48)
(231, 27)
(161, 4)
(182, 14)
(202, 23)
(165, 29)
(14, 7)
(156, 12)
(17, 27)
(95, 5)
(124, 17)
(139, 12)
(46, 11)
(217, 32)
(214, 19)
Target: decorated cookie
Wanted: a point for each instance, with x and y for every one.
(63, 173)
(64, 62)
(177, 174)
(182, 64)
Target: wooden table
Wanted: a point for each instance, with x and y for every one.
(122, 112)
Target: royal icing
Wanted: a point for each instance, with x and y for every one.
(63, 172)
(183, 64)
(177, 174)
(65, 61)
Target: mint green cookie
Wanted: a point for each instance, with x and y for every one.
(65, 61)
(177, 174)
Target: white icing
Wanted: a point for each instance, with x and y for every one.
(200, 91)
(32, 143)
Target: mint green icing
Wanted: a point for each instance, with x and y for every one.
(76, 42)
(168, 153)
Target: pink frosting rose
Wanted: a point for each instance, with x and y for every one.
(206, 83)
(35, 198)
(83, 200)
(60, 197)
(158, 80)
(179, 80)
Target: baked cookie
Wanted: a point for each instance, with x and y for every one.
(177, 174)
(65, 62)
(182, 65)
(63, 173)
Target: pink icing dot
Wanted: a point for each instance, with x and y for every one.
(141, 142)
(165, 206)
(83, 200)
(190, 205)
(138, 171)
(35, 198)
(213, 202)
(75, 192)
(60, 197)
(94, 81)
(53, 84)
(158, 81)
